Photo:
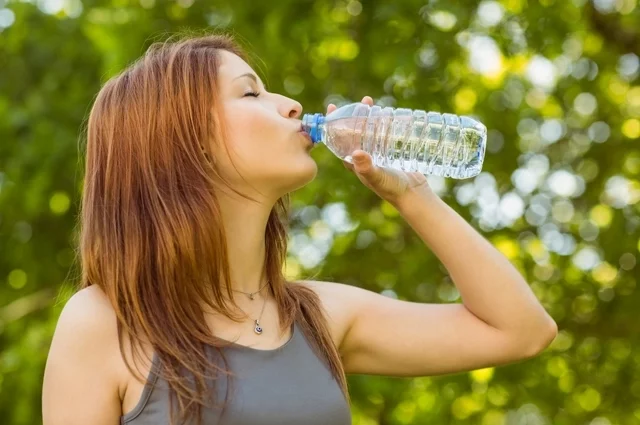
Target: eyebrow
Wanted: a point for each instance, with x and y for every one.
(250, 75)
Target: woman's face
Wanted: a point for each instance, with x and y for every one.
(263, 139)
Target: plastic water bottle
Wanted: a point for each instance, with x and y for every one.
(409, 140)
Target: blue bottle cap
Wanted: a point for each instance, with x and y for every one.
(311, 122)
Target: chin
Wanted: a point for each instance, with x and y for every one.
(302, 174)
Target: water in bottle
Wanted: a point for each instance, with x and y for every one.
(409, 140)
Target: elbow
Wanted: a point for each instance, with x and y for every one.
(541, 338)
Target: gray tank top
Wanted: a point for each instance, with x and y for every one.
(288, 385)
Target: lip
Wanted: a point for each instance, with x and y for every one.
(306, 136)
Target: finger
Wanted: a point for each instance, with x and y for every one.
(331, 108)
(368, 100)
(360, 155)
(363, 163)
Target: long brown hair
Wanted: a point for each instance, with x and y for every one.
(151, 232)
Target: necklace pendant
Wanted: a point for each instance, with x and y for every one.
(251, 297)
(258, 328)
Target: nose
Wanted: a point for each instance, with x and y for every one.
(290, 108)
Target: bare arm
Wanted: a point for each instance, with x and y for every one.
(500, 320)
(490, 286)
(81, 384)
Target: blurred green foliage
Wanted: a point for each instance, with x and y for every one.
(556, 83)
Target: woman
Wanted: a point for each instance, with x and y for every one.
(184, 312)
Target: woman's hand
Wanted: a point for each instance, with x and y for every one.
(390, 184)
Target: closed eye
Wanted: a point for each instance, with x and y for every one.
(252, 94)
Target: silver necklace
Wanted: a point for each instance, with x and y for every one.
(251, 294)
(257, 328)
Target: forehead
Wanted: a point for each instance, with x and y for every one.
(232, 65)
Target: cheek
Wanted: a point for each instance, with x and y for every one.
(264, 159)
(251, 150)
(266, 165)
(264, 155)
(252, 134)
(246, 141)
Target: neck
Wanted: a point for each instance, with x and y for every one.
(245, 222)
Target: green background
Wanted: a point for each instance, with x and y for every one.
(556, 83)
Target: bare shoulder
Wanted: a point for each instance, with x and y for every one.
(341, 303)
(88, 319)
(84, 351)
(92, 302)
